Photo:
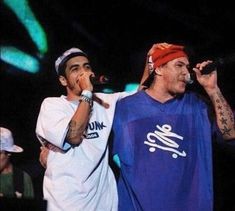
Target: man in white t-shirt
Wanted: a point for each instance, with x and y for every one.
(78, 176)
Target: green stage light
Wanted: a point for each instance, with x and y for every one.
(131, 87)
(23, 11)
(107, 90)
(19, 59)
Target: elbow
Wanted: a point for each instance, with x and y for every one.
(75, 138)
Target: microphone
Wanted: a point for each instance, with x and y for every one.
(215, 65)
(212, 66)
(191, 77)
(97, 80)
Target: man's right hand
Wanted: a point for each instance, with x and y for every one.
(45, 151)
(43, 156)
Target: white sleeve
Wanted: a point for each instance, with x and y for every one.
(125, 94)
(52, 123)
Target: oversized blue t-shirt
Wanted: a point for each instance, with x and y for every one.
(165, 154)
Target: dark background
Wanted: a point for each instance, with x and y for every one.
(116, 35)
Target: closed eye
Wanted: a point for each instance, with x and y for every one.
(88, 66)
(74, 68)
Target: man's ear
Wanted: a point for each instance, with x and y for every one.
(63, 80)
(158, 71)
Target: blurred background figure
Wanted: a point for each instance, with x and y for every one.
(14, 182)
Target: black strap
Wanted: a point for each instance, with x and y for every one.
(18, 180)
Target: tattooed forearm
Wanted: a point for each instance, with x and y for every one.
(224, 115)
(74, 132)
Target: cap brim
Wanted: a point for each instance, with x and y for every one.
(14, 148)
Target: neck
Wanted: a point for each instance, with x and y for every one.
(8, 169)
(71, 96)
(159, 93)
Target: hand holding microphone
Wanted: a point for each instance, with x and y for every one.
(215, 65)
(207, 69)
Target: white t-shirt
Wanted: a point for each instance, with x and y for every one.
(80, 178)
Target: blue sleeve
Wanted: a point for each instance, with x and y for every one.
(122, 141)
(117, 134)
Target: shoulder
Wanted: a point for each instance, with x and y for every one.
(26, 176)
(197, 102)
(135, 97)
(113, 97)
(18, 172)
(53, 99)
(196, 97)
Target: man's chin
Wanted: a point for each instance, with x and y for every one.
(181, 90)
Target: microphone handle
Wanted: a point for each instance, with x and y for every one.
(209, 68)
(206, 70)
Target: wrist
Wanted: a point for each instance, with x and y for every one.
(86, 96)
(212, 91)
(87, 93)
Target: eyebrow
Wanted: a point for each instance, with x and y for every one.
(181, 62)
(75, 65)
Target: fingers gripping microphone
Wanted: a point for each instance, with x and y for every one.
(212, 66)
(191, 77)
(220, 62)
(97, 80)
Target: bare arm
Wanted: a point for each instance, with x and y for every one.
(79, 121)
(224, 114)
(43, 156)
(77, 126)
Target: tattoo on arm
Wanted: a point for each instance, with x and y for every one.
(72, 131)
(224, 115)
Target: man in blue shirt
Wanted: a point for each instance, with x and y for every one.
(162, 136)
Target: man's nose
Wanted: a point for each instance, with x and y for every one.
(186, 70)
(87, 70)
